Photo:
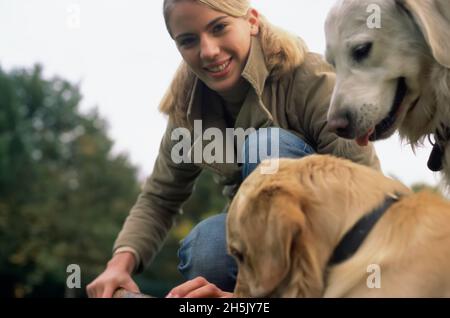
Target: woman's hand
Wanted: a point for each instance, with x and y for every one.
(117, 274)
(198, 288)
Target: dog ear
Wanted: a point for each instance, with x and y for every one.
(433, 19)
(275, 260)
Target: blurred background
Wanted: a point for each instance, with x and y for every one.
(80, 82)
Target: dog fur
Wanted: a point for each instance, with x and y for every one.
(413, 43)
(283, 228)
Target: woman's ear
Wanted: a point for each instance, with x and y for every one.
(253, 19)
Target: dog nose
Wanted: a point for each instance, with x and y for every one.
(342, 125)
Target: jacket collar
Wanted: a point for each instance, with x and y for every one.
(255, 72)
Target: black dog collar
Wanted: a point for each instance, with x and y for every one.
(356, 235)
(435, 163)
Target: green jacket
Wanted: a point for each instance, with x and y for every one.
(297, 102)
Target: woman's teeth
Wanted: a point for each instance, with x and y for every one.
(219, 68)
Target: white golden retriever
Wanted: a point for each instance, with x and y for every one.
(392, 76)
(284, 228)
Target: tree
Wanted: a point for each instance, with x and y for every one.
(63, 194)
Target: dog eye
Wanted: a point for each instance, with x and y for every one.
(238, 255)
(362, 51)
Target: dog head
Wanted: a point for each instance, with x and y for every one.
(267, 236)
(383, 51)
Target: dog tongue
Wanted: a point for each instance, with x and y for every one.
(364, 140)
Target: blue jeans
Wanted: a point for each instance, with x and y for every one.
(204, 251)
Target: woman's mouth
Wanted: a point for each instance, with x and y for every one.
(220, 69)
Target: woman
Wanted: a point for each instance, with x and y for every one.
(239, 71)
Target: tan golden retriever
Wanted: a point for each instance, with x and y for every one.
(392, 60)
(283, 228)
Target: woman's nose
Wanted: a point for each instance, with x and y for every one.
(209, 49)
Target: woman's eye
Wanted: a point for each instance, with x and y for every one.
(219, 28)
(186, 42)
(361, 52)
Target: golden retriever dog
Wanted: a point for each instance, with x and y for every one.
(283, 229)
(392, 60)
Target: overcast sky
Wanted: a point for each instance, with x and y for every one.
(122, 57)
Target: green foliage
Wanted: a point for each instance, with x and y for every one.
(423, 186)
(63, 195)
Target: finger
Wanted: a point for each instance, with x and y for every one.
(89, 290)
(108, 292)
(97, 292)
(207, 291)
(132, 286)
(93, 291)
(227, 295)
(187, 287)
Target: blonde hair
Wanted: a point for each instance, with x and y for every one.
(283, 52)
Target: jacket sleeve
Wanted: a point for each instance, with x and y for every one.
(314, 87)
(150, 219)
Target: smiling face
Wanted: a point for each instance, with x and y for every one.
(379, 70)
(213, 44)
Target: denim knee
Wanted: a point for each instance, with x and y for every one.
(204, 253)
(269, 143)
